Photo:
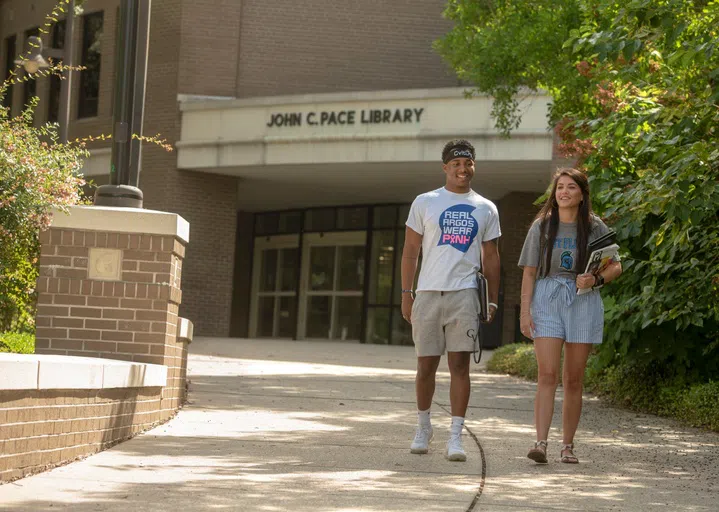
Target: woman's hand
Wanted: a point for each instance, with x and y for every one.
(407, 303)
(526, 325)
(585, 281)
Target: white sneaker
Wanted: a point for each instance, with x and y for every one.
(455, 451)
(421, 440)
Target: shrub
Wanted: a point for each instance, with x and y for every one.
(37, 174)
(651, 389)
(18, 343)
(515, 359)
(699, 405)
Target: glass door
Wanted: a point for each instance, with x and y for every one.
(332, 286)
(274, 284)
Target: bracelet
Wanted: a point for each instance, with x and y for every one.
(493, 304)
(411, 292)
(598, 281)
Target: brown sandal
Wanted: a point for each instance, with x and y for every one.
(539, 452)
(570, 458)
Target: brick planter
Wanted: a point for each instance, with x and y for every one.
(109, 287)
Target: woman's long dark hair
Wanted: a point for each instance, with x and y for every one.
(549, 220)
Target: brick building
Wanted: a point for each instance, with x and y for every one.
(303, 130)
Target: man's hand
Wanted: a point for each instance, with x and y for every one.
(491, 270)
(407, 303)
(492, 311)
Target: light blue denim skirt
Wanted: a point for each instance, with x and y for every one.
(558, 312)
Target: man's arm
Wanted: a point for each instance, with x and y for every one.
(410, 254)
(490, 269)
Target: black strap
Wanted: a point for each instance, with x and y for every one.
(477, 354)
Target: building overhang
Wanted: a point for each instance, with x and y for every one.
(360, 145)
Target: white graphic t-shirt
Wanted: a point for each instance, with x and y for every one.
(453, 227)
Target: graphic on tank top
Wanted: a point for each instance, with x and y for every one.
(459, 228)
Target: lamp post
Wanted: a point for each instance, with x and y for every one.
(66, 85)
(130, 85)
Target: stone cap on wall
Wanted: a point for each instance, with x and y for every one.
(42, 372)
(122, 220)
(185, 330)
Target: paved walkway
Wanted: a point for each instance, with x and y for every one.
(320, 427)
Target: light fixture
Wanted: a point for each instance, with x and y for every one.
(32, 60)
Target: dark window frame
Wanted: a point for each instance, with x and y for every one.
(91, 59)
(57, 42)
(10, 47)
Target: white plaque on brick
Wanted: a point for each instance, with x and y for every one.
(105, 264)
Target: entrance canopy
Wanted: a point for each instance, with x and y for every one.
(356, 148)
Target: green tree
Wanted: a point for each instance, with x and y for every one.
(635, 89)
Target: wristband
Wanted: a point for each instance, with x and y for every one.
(493, 304)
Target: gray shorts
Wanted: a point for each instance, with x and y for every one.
(445, 320)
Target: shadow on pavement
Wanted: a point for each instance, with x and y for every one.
(282, 429)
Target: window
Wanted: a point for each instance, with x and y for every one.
(355, 280)
(91, 56)
(385, 216)
(352, 218)
(384, 322)
(320, 219)
(57, 41)
(30, 87)
(278, 223)
(10, 54)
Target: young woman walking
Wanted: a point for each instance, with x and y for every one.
(554, 257)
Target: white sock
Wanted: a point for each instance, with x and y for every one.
(457, 425)
(423, 418)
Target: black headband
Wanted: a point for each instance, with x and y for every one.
(458, 151)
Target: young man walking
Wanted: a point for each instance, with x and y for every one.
(457, 230)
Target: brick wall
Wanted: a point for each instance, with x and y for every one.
(314, 46)
(516, 212)
(43, 428)
(210, 45)
(134, 319)
(208, 202)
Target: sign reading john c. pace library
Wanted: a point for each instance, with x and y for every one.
(346, 117)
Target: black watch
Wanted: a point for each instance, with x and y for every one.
(598, 281)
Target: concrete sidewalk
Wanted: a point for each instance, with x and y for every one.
(320, 427)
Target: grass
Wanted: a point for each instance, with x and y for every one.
(17, 343)
(627, 386)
